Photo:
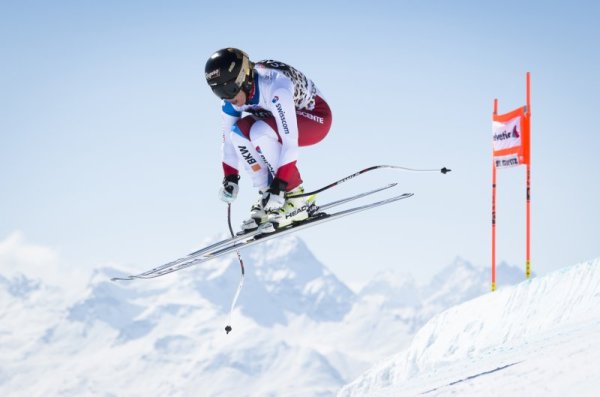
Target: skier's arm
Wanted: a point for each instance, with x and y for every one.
(229, 155)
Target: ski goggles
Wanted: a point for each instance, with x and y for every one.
(227, 90)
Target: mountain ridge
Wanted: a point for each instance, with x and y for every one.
(296, 321)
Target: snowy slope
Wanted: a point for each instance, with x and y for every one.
(298, 331)
(541, 337)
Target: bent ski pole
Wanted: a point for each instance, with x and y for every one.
(443, 170)
(228, 328)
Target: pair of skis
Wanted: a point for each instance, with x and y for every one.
(248, 239)
(257, 236)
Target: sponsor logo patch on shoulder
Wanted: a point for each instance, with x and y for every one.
(275, 99)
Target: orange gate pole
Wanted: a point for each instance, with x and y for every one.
(494, 212)
(528, 193)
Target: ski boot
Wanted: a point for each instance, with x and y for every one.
(294, 210)
(258, 216)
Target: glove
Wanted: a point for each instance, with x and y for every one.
(230, 188)
(274, 197)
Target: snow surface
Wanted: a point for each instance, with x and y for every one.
(298, 330)
(541, 337)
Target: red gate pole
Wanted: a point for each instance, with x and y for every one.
(494, 212)
(528, 182)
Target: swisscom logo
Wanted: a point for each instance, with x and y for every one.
(275, 99)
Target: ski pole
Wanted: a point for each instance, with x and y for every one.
(241, 284)
(444, 170)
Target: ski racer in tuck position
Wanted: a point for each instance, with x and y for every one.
(284, 111)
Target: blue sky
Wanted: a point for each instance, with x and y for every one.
(110, 138)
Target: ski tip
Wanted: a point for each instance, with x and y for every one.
(128, 278)
(445, 170)
(228, 329)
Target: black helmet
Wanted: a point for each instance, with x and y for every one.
(228, 71)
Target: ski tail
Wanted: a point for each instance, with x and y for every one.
(325, 207)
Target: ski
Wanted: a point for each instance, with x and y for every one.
(249, 240)
(352, 198)
(245, 236)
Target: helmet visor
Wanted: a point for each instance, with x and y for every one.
(227, 90)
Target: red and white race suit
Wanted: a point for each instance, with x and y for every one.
(284, 111)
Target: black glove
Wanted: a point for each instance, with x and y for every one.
(229, 190)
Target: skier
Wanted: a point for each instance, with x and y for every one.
(284, 110)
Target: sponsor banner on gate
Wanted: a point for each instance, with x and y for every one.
(510, 160)
(507, 135)
(510, 138)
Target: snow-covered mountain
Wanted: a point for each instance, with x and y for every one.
(541, 337)
(298, 330)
